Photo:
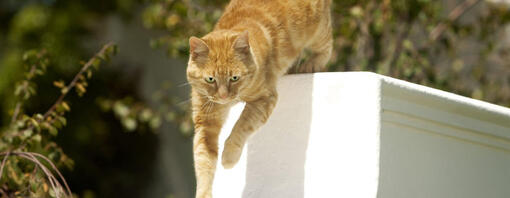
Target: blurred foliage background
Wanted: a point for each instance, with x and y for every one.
(129, 134)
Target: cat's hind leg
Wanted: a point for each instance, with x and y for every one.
(320, 52)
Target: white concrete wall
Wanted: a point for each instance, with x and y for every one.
(359, 134)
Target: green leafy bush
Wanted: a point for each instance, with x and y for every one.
(30, 156)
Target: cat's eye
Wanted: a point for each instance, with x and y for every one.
(234, 78)
(210, 79)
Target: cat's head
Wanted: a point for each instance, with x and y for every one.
(220, 65)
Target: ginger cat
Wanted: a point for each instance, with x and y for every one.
(253, 44)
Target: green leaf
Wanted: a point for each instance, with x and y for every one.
(20, 124)
(407, 44)
(185, 127)
(54, 156)
(120, 109)
(96, 62)
(65, 106)
(111, 50)
(30, 54)
(52, 193)
(62, 120)
(34, 186)
(129, 123)
(89, 74)
(34, 122)
(57, 124)
(30, 92)
(145, 115)
(62, 107)
(31, 89)
(39, 72)
(8, 139)
(356, 11)
(18, 90)
(80, 89)
(37, 137)
(84, 83)
(59, 84)
(53, 130)
(39, 116)
(27, 133)
(155, 122)
(14, 173)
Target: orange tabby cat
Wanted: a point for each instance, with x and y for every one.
(253, 44)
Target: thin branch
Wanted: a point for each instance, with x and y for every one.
(398, 48)
(454, 15)
(31, 73)
(396, 52)
(3, 193)
(75, 79)
(32, 156)
(72, 84)
(3, 163)
(55, 184)
(17, 109)
(56, 170)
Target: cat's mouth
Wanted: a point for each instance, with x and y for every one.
(223, 100)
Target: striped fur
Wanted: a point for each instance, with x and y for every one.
(258, 41)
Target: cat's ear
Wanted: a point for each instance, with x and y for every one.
(242, 44)
(198, 49)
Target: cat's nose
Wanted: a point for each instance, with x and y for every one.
(223, 95)
(223, 92)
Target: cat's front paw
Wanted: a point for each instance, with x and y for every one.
(231, 155)
(203, 192)
(204, 195)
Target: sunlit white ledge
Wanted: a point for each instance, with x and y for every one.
(360, 134)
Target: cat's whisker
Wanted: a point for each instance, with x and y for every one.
(209, 108)
(183, 84)
(204, 105)
(189, 100)
(184, 102)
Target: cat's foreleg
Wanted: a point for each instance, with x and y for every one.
(254, 115)
(208, 120)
